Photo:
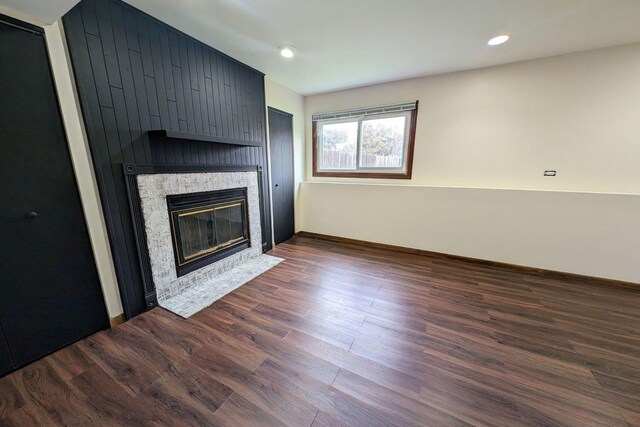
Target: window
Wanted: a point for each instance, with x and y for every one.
(365, 143)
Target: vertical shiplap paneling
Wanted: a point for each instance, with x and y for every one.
(135, 74)
(122, 38)
(215, 88)
(89, 63)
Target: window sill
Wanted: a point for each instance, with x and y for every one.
(376, 175)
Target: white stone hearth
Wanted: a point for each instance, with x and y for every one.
(153, 190)
(201, 296)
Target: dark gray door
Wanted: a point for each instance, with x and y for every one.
(5, 359)
(281, 141)
(49, 290)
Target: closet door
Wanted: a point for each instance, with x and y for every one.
(5, 359)
(281, 143)
(50, 295)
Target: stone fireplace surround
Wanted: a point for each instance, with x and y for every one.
(153, 188)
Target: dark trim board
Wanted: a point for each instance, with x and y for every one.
(135, 74)
(133, 194)
(131, 172)
(497, 264)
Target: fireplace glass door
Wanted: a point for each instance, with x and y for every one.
(207, 224)
(204, 231)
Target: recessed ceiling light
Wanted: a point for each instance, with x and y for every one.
(498, 40)
(287, 51)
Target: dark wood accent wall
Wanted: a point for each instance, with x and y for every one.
(135, 74)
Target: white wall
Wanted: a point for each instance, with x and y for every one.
(483, 140)
(81, 158)
(584, 233)
(503, 126)
(278, 96)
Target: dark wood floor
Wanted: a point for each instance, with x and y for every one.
(347, 335)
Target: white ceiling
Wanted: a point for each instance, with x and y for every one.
(348, 43)
(46, 11)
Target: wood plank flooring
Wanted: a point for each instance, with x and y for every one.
(341, 334)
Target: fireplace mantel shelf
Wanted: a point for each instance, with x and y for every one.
(171, 134)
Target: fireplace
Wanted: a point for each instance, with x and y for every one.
(179, 247)
(207, 226)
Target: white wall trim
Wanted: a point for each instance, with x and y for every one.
(83, 165)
